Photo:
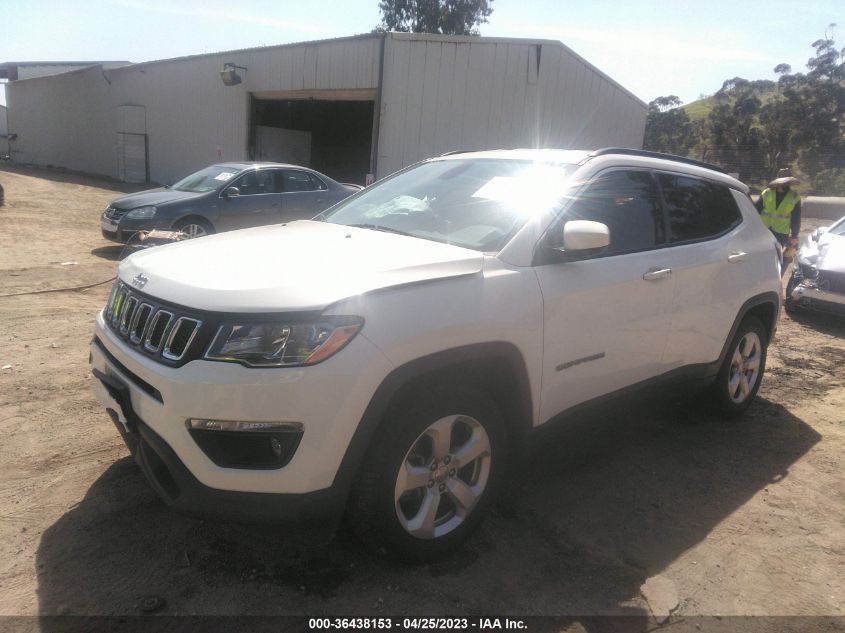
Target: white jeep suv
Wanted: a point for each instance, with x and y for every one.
(385, 359)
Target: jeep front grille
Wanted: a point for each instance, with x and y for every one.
(161, 331)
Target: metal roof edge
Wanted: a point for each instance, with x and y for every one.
(437, 37)
(60, 74)
(346, 38)
(601, 73)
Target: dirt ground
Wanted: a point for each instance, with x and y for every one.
(723, 518)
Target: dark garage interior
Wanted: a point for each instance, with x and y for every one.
(340, 135)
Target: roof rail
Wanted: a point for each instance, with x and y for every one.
(642, 152)
(459, 151)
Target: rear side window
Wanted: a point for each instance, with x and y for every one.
(627, 202)
(319, 185)
(697, 209)
(297, 181)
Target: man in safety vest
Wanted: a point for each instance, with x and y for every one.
(780, 209)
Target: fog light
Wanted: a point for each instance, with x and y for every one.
(243, 444)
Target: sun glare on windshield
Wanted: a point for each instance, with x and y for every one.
(473, 203)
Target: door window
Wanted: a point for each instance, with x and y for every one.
(697, 209)
(627, 202)
(319, 185)
(297, 181)
(256, 182)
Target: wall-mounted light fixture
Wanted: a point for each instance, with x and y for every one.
(230, 75)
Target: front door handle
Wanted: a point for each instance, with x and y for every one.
(657, 273)
(737, 256)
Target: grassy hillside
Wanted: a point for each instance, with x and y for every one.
(698, 110)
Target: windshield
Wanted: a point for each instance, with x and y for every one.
(206, 179)
(473, 203)
(838, 228)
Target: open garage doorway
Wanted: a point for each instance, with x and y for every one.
(334, 137)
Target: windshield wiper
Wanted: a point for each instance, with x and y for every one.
(378, 227)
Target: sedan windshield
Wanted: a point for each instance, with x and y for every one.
(474, 203)
(206, 179)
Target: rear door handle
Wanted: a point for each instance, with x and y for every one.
(657, 273)
(737, 256)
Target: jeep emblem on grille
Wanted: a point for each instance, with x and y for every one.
(139, 280)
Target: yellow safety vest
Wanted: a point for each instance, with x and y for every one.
(775, 216)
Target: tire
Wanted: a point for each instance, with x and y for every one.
(741, 372)
(393, 515)
(789, 302)
(194, 227)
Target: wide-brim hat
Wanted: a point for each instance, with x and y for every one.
(785, 177)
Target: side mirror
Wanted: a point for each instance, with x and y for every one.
(231, 192)
(585, 236)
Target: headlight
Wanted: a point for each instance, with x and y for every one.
(141, 213)
(273, 344)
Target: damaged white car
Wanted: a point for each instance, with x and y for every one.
(818, 277)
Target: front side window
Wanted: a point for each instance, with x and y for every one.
(257, 182)
(627, 202)
(697, 209)
(473, 203)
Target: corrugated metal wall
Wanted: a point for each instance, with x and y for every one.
(192, 119)
(439, 93)
(62, 120)
(445, 93)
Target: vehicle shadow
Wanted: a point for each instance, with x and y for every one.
(596, 508)
(112, 253)
(831, 324)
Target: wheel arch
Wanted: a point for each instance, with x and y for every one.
(765, 307)
(191, 215)
(490, 367)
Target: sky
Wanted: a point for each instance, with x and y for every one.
(653, 48)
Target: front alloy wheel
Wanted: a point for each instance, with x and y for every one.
(430, 474)
(194, 230)
(442, 477)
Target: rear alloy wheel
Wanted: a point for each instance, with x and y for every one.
(195, 228)
(429, 476)
(742, 370)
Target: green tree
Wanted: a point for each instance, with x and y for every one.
(668, 127)
(449, 17)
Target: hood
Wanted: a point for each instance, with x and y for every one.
(831, 253)
(823, 251)
(152, 197)
(299, 266)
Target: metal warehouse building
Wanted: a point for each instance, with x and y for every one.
(348, 107)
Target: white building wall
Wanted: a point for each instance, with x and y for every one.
(445, 93)
(439, 93)
(61, 120)
(192, 119)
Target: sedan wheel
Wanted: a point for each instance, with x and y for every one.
(194, 230)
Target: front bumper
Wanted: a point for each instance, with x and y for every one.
(807, 294)
(328, 399)
(122, 230)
